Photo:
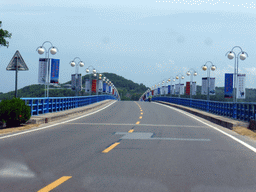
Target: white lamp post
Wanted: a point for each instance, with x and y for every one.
(94, 74)
(180, 77)
(231, 54)
(209, 69)
(53, 50)
(73, 64)
(194, 73)
(171, 79)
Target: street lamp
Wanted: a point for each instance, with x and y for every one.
(53, 50)
(179, 76)
(171, 79)
(194, 73)
(231, 54)
(94, 74)
(209, 69)
(73, 64)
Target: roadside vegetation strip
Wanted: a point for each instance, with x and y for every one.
(55, 184)
(110, 147)
(41, 128)
(223, 132)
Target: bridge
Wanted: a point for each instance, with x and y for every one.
(125, 146)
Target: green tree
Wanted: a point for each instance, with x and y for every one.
(3, 35)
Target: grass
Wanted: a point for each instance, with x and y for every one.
(16, 129)
(246, 132)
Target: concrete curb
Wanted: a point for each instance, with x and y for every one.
(219, 120)
(55, 116)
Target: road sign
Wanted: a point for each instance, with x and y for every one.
(18, 61)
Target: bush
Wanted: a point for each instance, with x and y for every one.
(14, 112)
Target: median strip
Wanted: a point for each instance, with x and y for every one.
(110, 148)
(55, 184)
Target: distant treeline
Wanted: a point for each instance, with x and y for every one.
(128, 90)
(219, 95)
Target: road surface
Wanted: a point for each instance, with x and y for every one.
(128, 146)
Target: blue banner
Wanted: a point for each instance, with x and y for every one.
(104, 87)
(158, 91)
(228, 89)
(169, 89)
(109, 89)
(55, 71)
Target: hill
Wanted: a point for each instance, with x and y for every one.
(128, 90)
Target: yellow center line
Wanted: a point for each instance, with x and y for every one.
(110, 148)
(141, 110)
(130, 131)
(55, 184)
(141, 113)
(137, 122)
(140, 117)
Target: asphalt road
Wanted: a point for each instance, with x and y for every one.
(129, 146)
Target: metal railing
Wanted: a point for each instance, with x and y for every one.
(240, 111)
(44, 105)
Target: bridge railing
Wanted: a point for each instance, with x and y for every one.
(44, 105)
(240, 111)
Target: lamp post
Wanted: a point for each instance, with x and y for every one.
(53, 50)
(204, 68)
(171, 79)
(231, 54)
(73, 64)
(179, 76)
(93, 72)
(194, 73)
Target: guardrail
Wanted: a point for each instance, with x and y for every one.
(43, 105)
(240, 111)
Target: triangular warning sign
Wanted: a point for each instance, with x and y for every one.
(18, 61)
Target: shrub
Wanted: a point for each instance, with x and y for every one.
(14, 112)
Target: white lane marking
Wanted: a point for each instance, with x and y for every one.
(21, 133)
(149, 125)
(232, 137)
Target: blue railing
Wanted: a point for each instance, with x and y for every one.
(240, 111)
(43, 105)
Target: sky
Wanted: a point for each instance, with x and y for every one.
(146, 41)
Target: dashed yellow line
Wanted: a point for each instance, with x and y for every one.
(141, 110)
(138, 122)
(141, 113)
(110, 148)
(140, 117)
(55, 184)
(131, 130)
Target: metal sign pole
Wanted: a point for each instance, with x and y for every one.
(16, 77)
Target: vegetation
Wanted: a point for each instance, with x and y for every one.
(3, 35)
(14, 112)
(219, 95)
(128, 90)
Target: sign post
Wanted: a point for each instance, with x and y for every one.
(17, 64)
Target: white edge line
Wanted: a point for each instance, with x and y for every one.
(21, 133)
(232, 137)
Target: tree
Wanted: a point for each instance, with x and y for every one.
(3, 35)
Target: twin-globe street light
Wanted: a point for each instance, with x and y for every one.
(73, 64)
(179, 76)
(204, 68)
(53, 50)
(194, 73)
(93, 72)
(231, 54)
(171, 79)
